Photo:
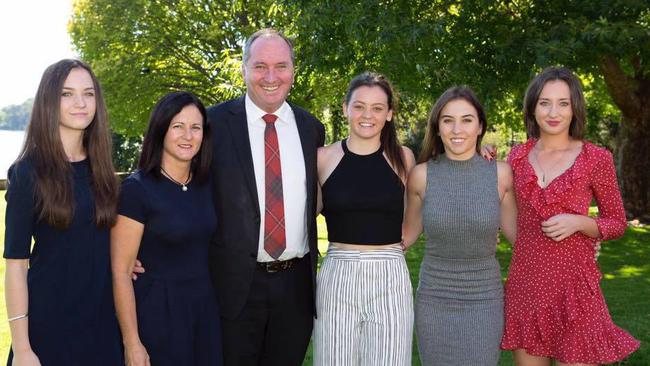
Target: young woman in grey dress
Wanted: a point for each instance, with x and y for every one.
(460, 200)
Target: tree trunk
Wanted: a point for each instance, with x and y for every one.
(631, 93)
(634, 168)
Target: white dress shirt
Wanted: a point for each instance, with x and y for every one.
(294, 184)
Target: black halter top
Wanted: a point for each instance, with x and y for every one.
(363, 200)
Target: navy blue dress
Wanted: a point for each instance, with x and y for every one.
(71, 315)
(178, 318)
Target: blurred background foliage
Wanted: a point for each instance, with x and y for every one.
(142, 49)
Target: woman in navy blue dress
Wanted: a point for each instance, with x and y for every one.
(62, 192)
(166, 218)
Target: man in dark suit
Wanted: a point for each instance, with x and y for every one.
(263, 258)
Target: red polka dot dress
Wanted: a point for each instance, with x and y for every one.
(554, 306)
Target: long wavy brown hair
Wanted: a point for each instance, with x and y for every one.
(53, 172)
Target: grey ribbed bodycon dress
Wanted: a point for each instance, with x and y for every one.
(459, 303)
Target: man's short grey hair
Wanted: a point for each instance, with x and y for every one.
(266, 33)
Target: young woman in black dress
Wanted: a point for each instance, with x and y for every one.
(62, 192)
(166, 217)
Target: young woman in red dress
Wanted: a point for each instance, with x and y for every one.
(554, 307)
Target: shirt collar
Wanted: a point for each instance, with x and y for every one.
(255, 113)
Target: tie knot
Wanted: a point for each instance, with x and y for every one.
(270, 118)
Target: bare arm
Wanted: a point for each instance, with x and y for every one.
(125, 242)
(327, 159)
(409, 161)
(18, 239)
(508, 203)
(319, 200)
(415, 190)
(17, 299)
(321, 160)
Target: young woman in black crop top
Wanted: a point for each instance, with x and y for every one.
(364, 300)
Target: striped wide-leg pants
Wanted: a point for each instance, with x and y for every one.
(365, 309)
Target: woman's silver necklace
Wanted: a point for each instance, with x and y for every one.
(541, 169)
(539, 164)
(183, 185)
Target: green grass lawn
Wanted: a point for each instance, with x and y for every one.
(625, 264)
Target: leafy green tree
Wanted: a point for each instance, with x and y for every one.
(141, 49)
(16, 116)
(608, 39)
(126, 152)
(497, 47)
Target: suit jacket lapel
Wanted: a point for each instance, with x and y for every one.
(238, 126)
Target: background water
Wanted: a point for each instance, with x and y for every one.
(10, 144)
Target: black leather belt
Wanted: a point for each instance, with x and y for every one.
(277, 266)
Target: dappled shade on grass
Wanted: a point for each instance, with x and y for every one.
(625, 264)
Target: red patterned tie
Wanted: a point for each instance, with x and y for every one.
(274, 236)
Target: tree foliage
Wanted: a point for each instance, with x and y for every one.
(604, 40)
(16, 116)
(497, 47)
(141, 49)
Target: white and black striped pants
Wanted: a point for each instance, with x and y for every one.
(365, 309)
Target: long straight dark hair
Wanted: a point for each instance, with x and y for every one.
(43, 148)
(389, 142)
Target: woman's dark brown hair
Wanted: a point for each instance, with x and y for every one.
(152, 147)
(43, 147)
(388, 137)
(577, 127)
(432, 146)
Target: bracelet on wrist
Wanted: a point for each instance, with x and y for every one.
(17, 317)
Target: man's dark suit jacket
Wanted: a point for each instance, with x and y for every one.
(233, 251)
